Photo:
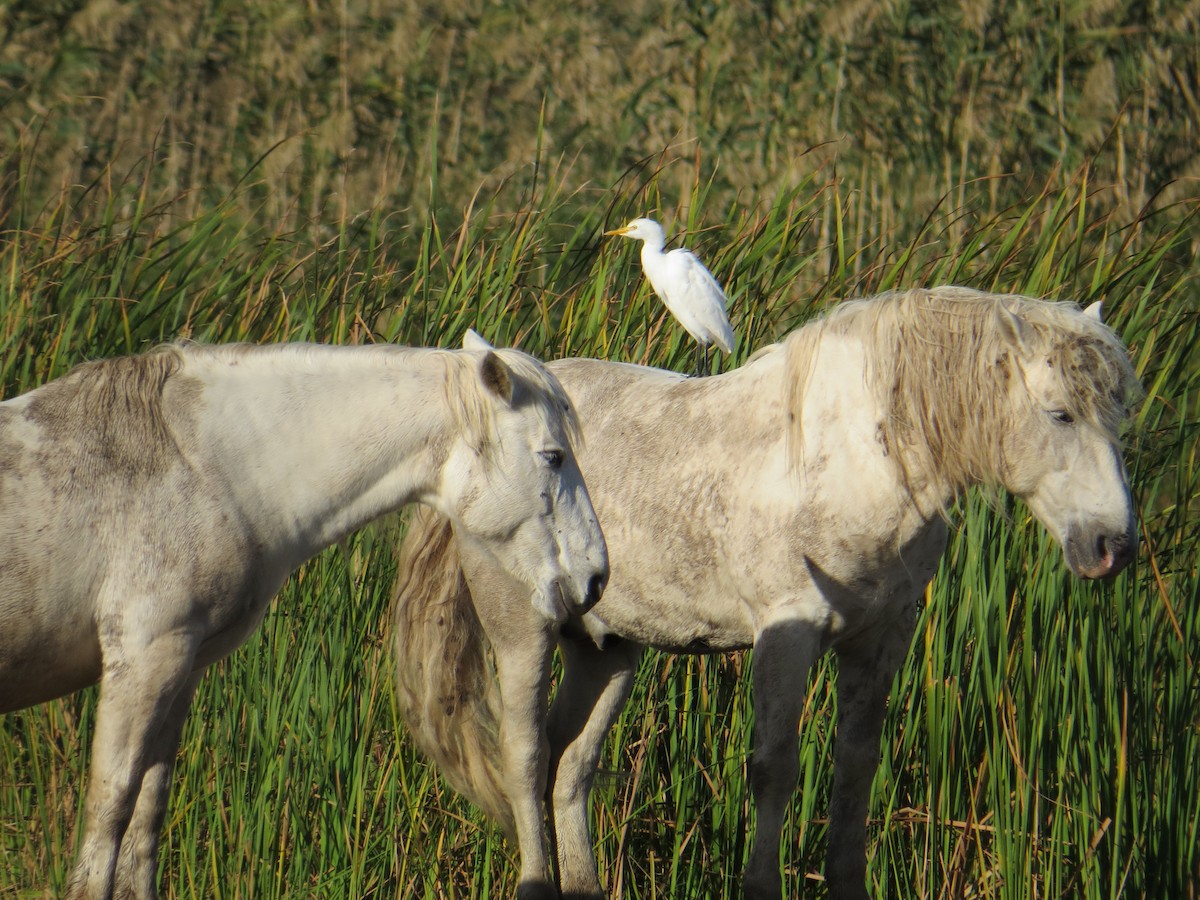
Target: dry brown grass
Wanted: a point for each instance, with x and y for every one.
(414, 106)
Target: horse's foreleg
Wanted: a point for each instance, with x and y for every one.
(137, 865)
(524, 675)
(783, 653)
(136, 697)
(595, 686)
(865, 673)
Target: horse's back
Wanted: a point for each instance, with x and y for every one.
(678, 469)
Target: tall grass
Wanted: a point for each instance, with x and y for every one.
(1042, 737)
(913, 99)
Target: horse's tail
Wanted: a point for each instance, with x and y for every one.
(446, 687)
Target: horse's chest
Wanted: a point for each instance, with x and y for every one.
(233, 607)
(860, 583)
(231, 576)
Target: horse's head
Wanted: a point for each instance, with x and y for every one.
(511, 484)
(1061, 451)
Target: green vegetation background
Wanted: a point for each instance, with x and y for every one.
(365, 171)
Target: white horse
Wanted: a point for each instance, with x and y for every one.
(150, 506)
(794, 505)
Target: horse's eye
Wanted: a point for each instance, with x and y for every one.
(553, 458)
(1062, 417)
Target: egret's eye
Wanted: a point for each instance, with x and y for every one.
(1062, 417)
(552, 458)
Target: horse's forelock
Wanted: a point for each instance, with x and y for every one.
(538, 389)
(534, 389)
(1099, 383)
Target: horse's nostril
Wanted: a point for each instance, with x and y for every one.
(595, 588)
(1123, 548)
(1116, 551)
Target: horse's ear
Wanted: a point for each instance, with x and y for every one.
(496, 376)
(473, 340)
(1012, 327)
(1095, 310)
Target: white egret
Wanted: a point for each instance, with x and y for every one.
(686, 287)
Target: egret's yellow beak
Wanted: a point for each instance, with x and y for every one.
(616, 231)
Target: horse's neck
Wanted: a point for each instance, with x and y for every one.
(844, 445)
(314, 451)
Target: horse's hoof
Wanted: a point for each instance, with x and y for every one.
(762, 889)
(536, 890)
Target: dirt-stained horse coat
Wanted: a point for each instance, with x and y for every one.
(793, 505)
(150, 507)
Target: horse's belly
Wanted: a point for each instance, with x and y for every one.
(41, 660)
(659, 615)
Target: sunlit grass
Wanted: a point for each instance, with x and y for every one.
(1042, 736)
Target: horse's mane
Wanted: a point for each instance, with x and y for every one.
(112, 408)
(466, 396)
(940, 361)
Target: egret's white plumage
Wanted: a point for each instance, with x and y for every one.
(686, 287)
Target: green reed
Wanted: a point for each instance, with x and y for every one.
(1042, 735)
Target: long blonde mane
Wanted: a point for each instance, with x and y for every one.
(941, 362)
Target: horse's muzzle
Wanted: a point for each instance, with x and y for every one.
(595, 590)
(578, 604)
(562, 600)
(1099, 553)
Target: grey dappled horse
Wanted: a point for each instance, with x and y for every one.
(795, 506)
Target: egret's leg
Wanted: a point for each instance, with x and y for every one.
(595, 686)
(783, 654)
(865, 674)
(137, 865)
(138, 690)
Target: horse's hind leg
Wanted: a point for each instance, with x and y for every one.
(594, 688)
(137, 865)
(136, 696)
(783, 653)
(865, 674)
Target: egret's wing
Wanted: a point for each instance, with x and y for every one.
(700, 279)
(672, 283)
(706, 300)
